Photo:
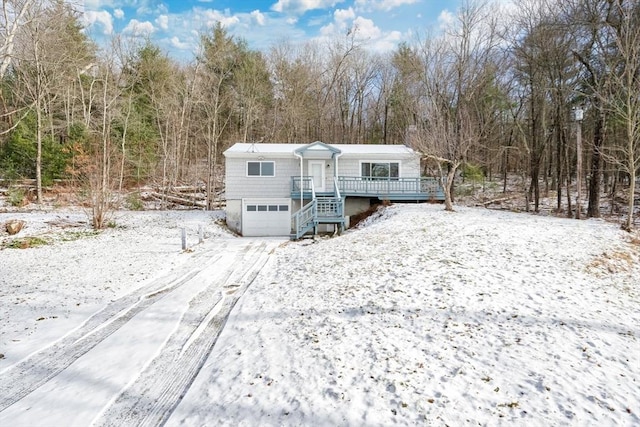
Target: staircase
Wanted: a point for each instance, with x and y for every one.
(325, 209)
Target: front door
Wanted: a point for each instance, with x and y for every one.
(316, 170)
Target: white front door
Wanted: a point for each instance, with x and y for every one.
(316, 170)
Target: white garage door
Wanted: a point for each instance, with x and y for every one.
(266, 217)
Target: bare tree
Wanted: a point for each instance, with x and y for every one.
(15, 13)
(297, 81)
(458, 69)
(220, 59)
(621, 96)
(51, 49)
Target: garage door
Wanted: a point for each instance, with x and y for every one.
(266, 217)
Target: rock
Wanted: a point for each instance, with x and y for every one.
(14, 226)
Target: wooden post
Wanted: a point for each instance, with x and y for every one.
(578, 116)
(200, 234)
(184, 239)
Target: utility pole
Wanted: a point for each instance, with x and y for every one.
(578, 112)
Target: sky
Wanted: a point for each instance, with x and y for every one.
(175, 25)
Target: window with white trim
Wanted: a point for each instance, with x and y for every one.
(261, 169)
(380, 170)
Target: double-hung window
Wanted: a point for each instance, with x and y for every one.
(261, 169)
(380, 170)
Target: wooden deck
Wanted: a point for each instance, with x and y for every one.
(392, 189)
(328, 207)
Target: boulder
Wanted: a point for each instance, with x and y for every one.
(14, 226)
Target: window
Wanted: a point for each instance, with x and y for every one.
(261, 169)
(251, 208)
(283, 208)
(380, 170)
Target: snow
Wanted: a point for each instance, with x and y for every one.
(417, 317)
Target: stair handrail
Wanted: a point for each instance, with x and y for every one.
(305, 218)
(336, 188)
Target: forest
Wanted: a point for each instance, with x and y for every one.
(545, 90)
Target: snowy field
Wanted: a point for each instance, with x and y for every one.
(419, 317)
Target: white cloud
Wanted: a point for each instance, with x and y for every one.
(212, 17)
(101, 18)
(446, 19)
(138, 28)
(342, 22)
(365, 29)
(147, 7)
(258, 17)
(163, 22)
(362, 29)
(118, 13)
(388, 41)
(175, 42)
(385, 5)
(301, 6)
(342, 15)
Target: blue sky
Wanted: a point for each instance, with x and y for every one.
(175, 25)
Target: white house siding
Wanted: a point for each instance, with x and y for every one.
(239, 185)
(234, 215)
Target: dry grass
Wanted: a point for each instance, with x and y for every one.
(618, 261)
(354, 220)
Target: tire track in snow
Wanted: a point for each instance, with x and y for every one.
(151, 399)
(35, 370)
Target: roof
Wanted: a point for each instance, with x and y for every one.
(274, 149)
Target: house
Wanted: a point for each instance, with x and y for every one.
(293, 189)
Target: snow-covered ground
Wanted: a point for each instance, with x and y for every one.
(419, 317)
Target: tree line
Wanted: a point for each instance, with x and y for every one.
(495, 90)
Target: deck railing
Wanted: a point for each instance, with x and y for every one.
(330, 207)
(389, 186)
(403, 188)
(304, 183)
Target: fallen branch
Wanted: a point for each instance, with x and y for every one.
(177, 200)
(500, 200)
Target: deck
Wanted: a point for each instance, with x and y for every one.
(392, 189)
(328, 207)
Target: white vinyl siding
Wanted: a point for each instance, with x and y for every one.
(238, 185)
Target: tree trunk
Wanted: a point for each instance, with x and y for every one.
(534, 188)
(447, 187)
(628, 225)
(593, 210)
(38, 150)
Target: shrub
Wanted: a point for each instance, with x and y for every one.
(134, 202)
(16, 196)
(18, 154)
(472, 172)
(26, 242)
